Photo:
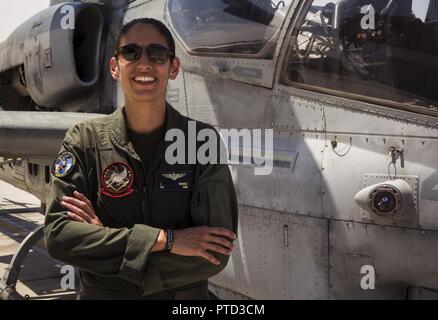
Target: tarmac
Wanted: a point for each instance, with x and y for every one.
(40, 276)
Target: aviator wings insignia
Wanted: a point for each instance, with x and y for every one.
(174, 176)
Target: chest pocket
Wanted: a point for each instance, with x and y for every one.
(170, 199)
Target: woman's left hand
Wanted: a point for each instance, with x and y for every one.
(80, 209)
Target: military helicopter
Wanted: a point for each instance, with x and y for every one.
(348, 87)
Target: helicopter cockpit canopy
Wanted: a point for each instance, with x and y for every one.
(227, 26)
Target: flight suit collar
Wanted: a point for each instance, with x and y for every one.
(119, 130)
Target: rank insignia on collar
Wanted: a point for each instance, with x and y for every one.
(117, 180)
(174, 176)
(64, 164)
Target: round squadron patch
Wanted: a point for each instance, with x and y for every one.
(64, 164)
(117, 180)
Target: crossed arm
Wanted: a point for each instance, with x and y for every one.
(196, 241)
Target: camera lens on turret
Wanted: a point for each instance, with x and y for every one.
(384, 202)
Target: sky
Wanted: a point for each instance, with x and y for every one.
(15, 12)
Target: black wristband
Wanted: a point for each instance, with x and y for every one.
(169, 240)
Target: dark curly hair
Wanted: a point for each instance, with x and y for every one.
(161, 27)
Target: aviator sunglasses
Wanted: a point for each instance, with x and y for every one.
(156, 53)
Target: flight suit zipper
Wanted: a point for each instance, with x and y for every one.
(144, 195)
(142, 199)
(141, 189)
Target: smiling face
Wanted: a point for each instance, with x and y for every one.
(142, 80)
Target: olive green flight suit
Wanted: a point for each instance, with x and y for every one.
(115, 261)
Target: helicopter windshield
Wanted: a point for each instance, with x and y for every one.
(227, 26)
